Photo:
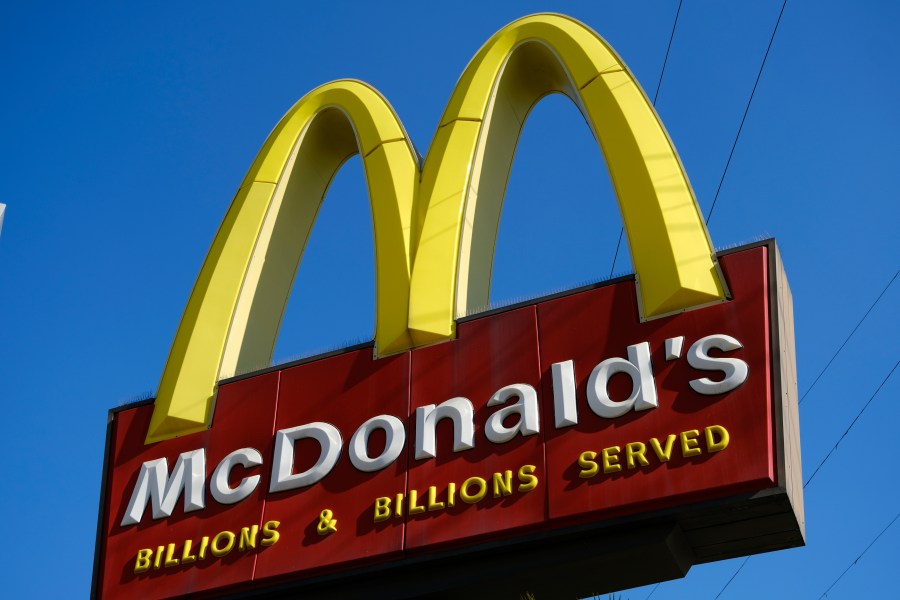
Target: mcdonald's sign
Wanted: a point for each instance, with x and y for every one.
(600, 438)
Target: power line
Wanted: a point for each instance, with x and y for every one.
(655, 96)
(830, 452)
(732, 577)
(746, 110)
(668, 49)
(852, 423)
(872, 543)
(827, 456)
(727, 163)
(822, 372)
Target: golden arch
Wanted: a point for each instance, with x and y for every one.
(434, 225)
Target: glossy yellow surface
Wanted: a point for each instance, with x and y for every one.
(233, 315)
(326, 525)
(468, 165)
(435, 230)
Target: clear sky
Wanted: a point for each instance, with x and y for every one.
(126, 128)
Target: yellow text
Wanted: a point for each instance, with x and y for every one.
(471, 491)
(217, 546)
(634, 455)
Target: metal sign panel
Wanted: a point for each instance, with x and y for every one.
(551, 435)
(543, 446)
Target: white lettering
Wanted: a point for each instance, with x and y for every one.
(462, 413)
(219, 488)
(162, 491)
(283, 477)
(643, 387)
(526, 408)
(565, 411)
(359, 443)
(735, 369)
(518, 414)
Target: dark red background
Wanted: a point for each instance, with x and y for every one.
(516, 346)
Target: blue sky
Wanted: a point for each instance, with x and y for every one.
(125, 131)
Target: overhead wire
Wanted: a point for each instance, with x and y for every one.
(847, 339)
(852, 423)
(722, 180)
(746, 111)
(655, 96)
(861, 554)
(744, 562)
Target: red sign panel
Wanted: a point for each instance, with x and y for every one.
(567, 412)
(488, 355)
(662, 456)
(344, 391)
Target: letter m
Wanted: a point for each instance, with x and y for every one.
(154, 484)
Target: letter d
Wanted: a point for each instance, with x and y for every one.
(283, 477)
(643, 386)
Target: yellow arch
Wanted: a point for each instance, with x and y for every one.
(434, 230)
(467, 169)
(233, 315)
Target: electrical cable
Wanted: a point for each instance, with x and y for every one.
(852, 423)
(872, 543)
(872, 397)
(709, 215)
(822, 372)
(746, 110)
(732, 577)
(721, 181)
(814, 474)
(655, 96)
